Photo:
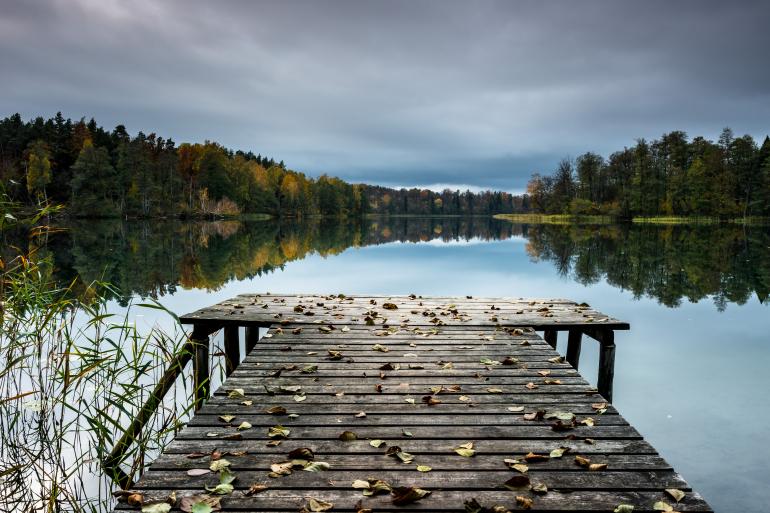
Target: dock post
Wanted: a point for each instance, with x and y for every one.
(606, 364)
(550, 336)
(232, 349)
(573, 347)
(199, 340)
(252, 337)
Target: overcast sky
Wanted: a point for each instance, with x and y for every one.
(400, 93)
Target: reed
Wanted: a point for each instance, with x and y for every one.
(72, 378)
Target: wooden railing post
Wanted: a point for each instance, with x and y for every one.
(232, 349)
(550, 336)
(199, 340)
(574, 343)
(606, 364)
(252, 337)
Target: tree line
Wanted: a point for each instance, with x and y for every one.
(99, 173)
(670, 176)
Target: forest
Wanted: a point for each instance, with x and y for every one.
(670, 176)
(98, 173)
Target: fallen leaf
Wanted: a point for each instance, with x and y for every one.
(582, 461)
(532, 457)
(495, 390)
(219, 465)
(623, 508)
(380, 348)
(302, 453)
(662, 506)
(360, 414)
(515, 409)
(348, 436)
(377, 443)
(424, 468)
(524, 502)
(309, 369)
(539, 488)
(466, 450)
(236, 393)
(675, 494)
(406, 495)
(255, 489)
(319, 505)
(198, 472)
(276, 410)
(517, 481)
(195, 503)
(244, 425)
(406, 433)
(316, 466)
(278, 432)
(558, 453)
(226, 418)
(531, 386)
(158, 507)
(597, 466)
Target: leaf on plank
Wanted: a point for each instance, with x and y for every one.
(278, 432)
(582, 461)
(188, 503)
(524, 502)
(430, 400)
(515, 409)
(558, 453)
(535, 415)
(662, 506)
(194, 472)
(494, 390)
(302, 453)
(219, 465)
(488, 361)
(316, 466)
(158, 507)
(531, 386)
(276, 410)
(423, 468)
(244, 426)
(675, 494)
(466, 450)
(236, 393)
(623, 508)
(309, 369)
(396, 452)
(534, 458)
(226, 418)
(315, 505)
(255, 489)
(380, 348)
(348, 436)
(408, 494)
(517, 482)
(377, 443)
(539, 487)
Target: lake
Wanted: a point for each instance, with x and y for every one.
(691, 374)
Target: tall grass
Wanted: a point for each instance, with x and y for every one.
(72, 377)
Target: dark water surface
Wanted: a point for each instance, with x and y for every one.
(691, 374)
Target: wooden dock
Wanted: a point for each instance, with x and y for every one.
(366, 403)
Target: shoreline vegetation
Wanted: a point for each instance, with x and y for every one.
(606, 219)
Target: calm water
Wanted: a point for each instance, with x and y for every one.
(691, 374)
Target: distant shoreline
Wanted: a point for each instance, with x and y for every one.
(602, 219)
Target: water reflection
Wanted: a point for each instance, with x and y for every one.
(727, 263)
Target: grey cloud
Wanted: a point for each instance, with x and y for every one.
(400, 92)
